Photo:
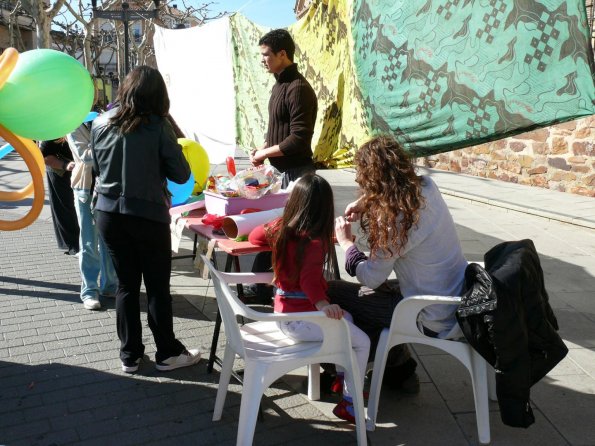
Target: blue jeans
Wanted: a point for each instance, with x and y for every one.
(97, 269)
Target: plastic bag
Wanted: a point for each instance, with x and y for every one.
(222, 185)
(255, 182)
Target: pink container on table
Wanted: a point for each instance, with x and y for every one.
(220, 205)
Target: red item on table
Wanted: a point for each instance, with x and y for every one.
(249, 211)
(231, 166)
(213, 220)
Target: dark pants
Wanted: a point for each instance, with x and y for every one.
(295, 173)
(263, 262)
(64, 217)
(141, 249)
(372, 311)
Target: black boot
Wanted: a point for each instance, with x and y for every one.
(402, 377)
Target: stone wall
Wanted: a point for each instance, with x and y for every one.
(561, 157)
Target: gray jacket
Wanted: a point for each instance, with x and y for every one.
(132, 168)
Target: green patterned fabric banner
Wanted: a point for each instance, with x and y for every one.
(439, 75)
(253, 84)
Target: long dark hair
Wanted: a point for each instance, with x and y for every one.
(391, 193)
(142, 94)
(308, 215)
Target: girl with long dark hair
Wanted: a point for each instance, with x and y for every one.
(301, 242)
(135, 150)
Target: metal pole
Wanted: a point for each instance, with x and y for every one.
(125, 17)
(126, 45)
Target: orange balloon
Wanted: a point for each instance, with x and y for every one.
(34, 161)
(8, 60)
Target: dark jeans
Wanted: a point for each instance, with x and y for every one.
(372, 311)
(141, 249)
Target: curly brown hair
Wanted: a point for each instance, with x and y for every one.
(391, 191)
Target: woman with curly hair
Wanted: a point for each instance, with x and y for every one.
(409, 232)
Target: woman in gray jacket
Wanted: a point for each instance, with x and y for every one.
(135, 150)
(410, 233)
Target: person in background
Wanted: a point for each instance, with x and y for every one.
(292, 115)
(95, 264)
(292, 111)
(135, 150)
(410, 232)
(57, 156)
(301, 242)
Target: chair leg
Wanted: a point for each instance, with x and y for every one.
(480, 394)
(352, 374)
(226, 369)
(377, 374)
(314, 382)
(214, 342)
(251, 395)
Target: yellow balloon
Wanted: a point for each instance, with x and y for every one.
(198, 159)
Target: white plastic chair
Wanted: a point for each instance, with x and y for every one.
(268, 354)
(403, 329)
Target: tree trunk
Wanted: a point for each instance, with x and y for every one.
(14, 30)
(87, 51)
(43, 19)
(42, 22)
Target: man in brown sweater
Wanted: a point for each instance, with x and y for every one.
(288, 141)
(292, 110)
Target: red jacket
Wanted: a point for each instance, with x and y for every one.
(310, 280)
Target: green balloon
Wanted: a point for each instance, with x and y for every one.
(47, 95)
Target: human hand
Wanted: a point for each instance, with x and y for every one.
(343, 232)
(332, 311)
(256, 158)
(353, 211)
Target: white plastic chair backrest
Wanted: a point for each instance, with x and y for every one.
(405, 316)
(406, 312)
(229, 307)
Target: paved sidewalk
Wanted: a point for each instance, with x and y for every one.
(60, 378)
(553, 205)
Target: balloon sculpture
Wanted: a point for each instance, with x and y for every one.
(44, 94)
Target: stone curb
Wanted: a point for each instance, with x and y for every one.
(522, 209)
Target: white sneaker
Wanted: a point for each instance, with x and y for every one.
(92, 304)
(185, 359)
(130, 366)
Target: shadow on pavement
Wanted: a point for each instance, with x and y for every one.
(63, 404)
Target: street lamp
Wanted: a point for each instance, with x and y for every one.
(125, 15)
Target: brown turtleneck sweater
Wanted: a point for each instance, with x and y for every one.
(292, 115)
